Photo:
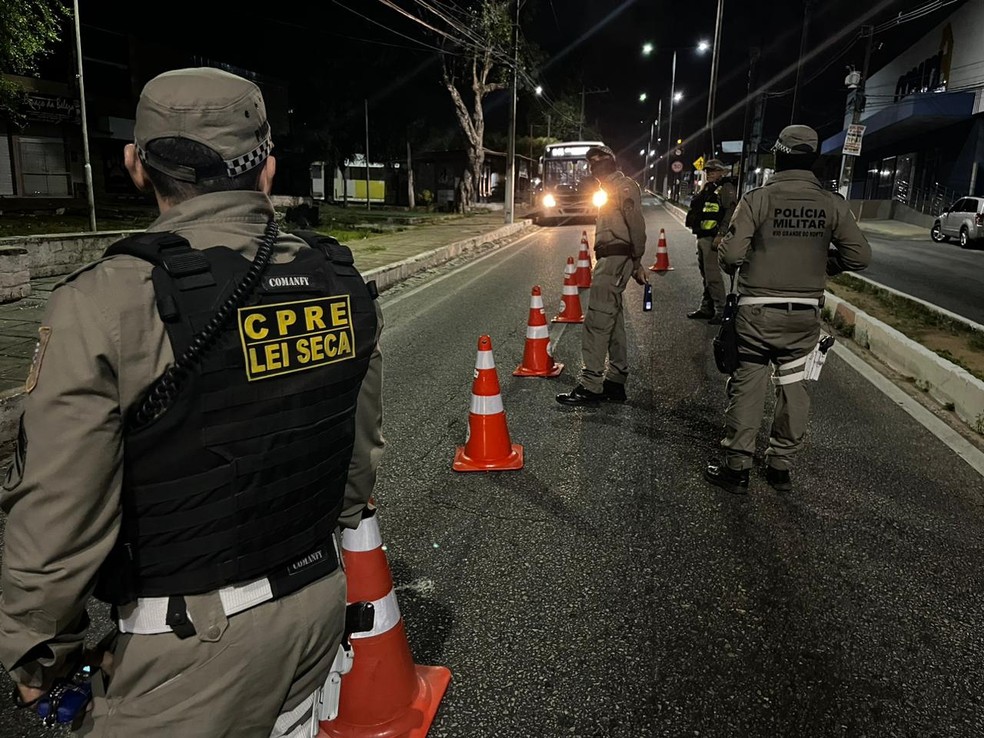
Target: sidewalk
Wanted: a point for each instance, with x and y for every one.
(19, 320)
(895, 229)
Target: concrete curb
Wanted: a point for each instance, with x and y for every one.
(946, 382)
(12, 401)
(387, 276)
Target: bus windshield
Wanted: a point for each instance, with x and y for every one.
(565, 172)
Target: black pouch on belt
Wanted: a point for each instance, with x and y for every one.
(726, 341)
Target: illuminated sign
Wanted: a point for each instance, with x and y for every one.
(932, 74)
(569, 151)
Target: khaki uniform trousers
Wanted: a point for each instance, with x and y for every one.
(604, 325)
(233, 678)
(710, 271)
(769, 335)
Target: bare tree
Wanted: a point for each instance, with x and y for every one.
(473, 68)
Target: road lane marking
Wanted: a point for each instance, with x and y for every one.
(957, 443)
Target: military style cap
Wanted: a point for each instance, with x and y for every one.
(715, 164)
(597, 151)
(797, 140)
(215, 108)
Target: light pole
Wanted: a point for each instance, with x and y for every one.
(510, 203)
(85, 127)
(669, 127)
(715, 58)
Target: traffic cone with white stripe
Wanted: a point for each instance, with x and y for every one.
(572, 299)
(385, 694)
(582, 277)
(537, 361)
(662, 263)
(487, 446)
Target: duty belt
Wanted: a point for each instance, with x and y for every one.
(151, 615)
(612, 249)
(785, 303)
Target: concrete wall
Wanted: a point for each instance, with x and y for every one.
(890, 210)
(15, 274)
(55, 254)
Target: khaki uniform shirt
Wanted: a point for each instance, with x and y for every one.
(620, 220)
(105, 344)
(780, 234)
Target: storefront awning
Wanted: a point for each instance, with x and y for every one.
(914, 115)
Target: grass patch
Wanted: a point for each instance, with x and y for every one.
(31, 224)
(950, 339)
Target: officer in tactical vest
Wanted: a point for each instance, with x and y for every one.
(202, 413)
(620, 242)
(784, 240)
(708, 217)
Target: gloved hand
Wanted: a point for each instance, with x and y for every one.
(833, 263)
(640, 275)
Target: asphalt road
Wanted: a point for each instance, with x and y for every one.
(606, 590)
(940, 273)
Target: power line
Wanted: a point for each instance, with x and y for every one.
(384, 26)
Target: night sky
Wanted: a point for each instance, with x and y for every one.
(337, 53)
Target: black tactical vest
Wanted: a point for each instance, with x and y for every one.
(245, 472)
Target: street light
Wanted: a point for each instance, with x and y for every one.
(703, 46)
(647, 49)
(642, 97)
(678, 96)
(539, 90)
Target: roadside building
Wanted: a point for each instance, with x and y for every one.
(923, 144)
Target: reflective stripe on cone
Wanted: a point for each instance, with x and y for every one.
(487, 446)
(537, 361)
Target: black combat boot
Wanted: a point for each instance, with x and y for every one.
(580, 396)
(716, 319)
(701, 314)
(721, 475)
(613, 391)
(778, 479)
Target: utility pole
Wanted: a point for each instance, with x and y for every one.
(753, 57)
(669, 128)
(715, 59)
(548, 125)
(510, 204)
(580, 122)
(85, 126)
(758, 124)
(410, 193)
(580, 125)
(807, 6)
(847, 160)
(652, 163)
(368, 205)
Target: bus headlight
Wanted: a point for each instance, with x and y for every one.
(599, 198)
(549, 201)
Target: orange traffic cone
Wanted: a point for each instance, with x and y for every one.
(662, 263)
(537, 361)
(385, 693)
(487, 446)
(582, 277)
(572, 300)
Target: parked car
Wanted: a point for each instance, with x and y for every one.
(964, 220)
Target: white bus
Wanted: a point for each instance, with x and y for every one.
(567, 189)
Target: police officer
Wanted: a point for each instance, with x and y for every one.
(620, 242)
(709, 215)
(203, 411)
(779, 243)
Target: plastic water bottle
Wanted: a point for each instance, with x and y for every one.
(647, 298)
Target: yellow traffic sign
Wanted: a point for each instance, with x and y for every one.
(699, 164)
